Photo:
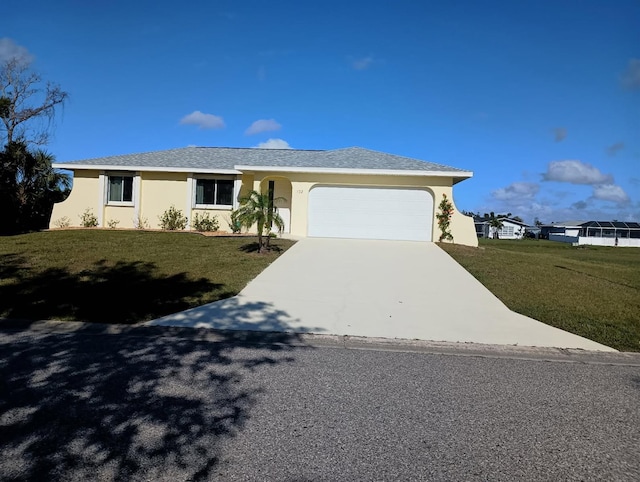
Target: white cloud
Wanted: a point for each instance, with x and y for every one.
(202, 120)
(516, 191)
(559, 133)
(10, 50)
(274, 144)
(610, 192)
(575, 172)
(363, 63)
(630, 78)
(262, 125)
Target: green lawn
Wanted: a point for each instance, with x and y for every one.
(590, 291)
(122, 276)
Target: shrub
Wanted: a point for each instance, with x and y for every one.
(88, 219)
(63, 222)
(205, 222)
(234, 224)
(444, 219)
(173, 219)
(113, 223)
(140, 222)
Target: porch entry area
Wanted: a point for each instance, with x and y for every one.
(279, 191)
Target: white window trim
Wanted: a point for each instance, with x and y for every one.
(135, 188)
(220, 207)
(237, 185)
(190, 201)
(102, 200)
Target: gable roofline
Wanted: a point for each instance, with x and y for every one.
(349, 160)
(513, 221)
(482, 220)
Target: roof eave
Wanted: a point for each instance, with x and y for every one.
(461, 175)
(457, 176)
(109, 167)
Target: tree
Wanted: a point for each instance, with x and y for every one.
(495, 222)
(256, 208)
(27, 107)
(29, 187)
(28, 184)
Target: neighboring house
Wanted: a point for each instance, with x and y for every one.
(345, 193)
(598, 233)
(511, 229)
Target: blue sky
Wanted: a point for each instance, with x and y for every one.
(540, 99)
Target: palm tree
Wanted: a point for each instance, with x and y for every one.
(496, 223)
(256, 208)
(29, 187)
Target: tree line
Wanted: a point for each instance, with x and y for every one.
(29, 186)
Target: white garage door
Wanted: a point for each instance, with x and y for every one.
(370, 213)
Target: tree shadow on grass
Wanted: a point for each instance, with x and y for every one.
(124, 292)
(255, 247)
(146, 404)
(598, 277)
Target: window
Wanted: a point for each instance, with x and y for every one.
(214, 192)
(120, 189)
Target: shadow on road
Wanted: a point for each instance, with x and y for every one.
(150, 403)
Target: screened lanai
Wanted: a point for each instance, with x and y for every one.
(610, 229)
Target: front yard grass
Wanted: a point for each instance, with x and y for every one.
(590, 291)
(122, 276)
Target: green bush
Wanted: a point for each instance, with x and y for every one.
(173, 219)
(113, 223)
(205, 222)
(235, 225)
(88, 219)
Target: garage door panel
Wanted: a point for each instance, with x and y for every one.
(370, 213)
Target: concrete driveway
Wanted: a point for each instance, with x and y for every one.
(388, 289)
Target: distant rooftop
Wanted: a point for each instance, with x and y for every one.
(229, 158)
(597, 224)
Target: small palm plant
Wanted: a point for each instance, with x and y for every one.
(256, 208)
(496, 223)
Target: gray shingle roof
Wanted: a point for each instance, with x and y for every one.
(227, 158)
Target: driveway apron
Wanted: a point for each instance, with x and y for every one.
(370, 288)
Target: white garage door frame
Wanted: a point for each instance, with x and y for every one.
(370, 212)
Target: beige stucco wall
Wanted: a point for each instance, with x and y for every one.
(462, 227)
(222, 215)
(159, 190)
(84, 194)
(247, 184)
(124, 215)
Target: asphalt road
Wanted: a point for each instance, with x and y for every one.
(92, 403)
